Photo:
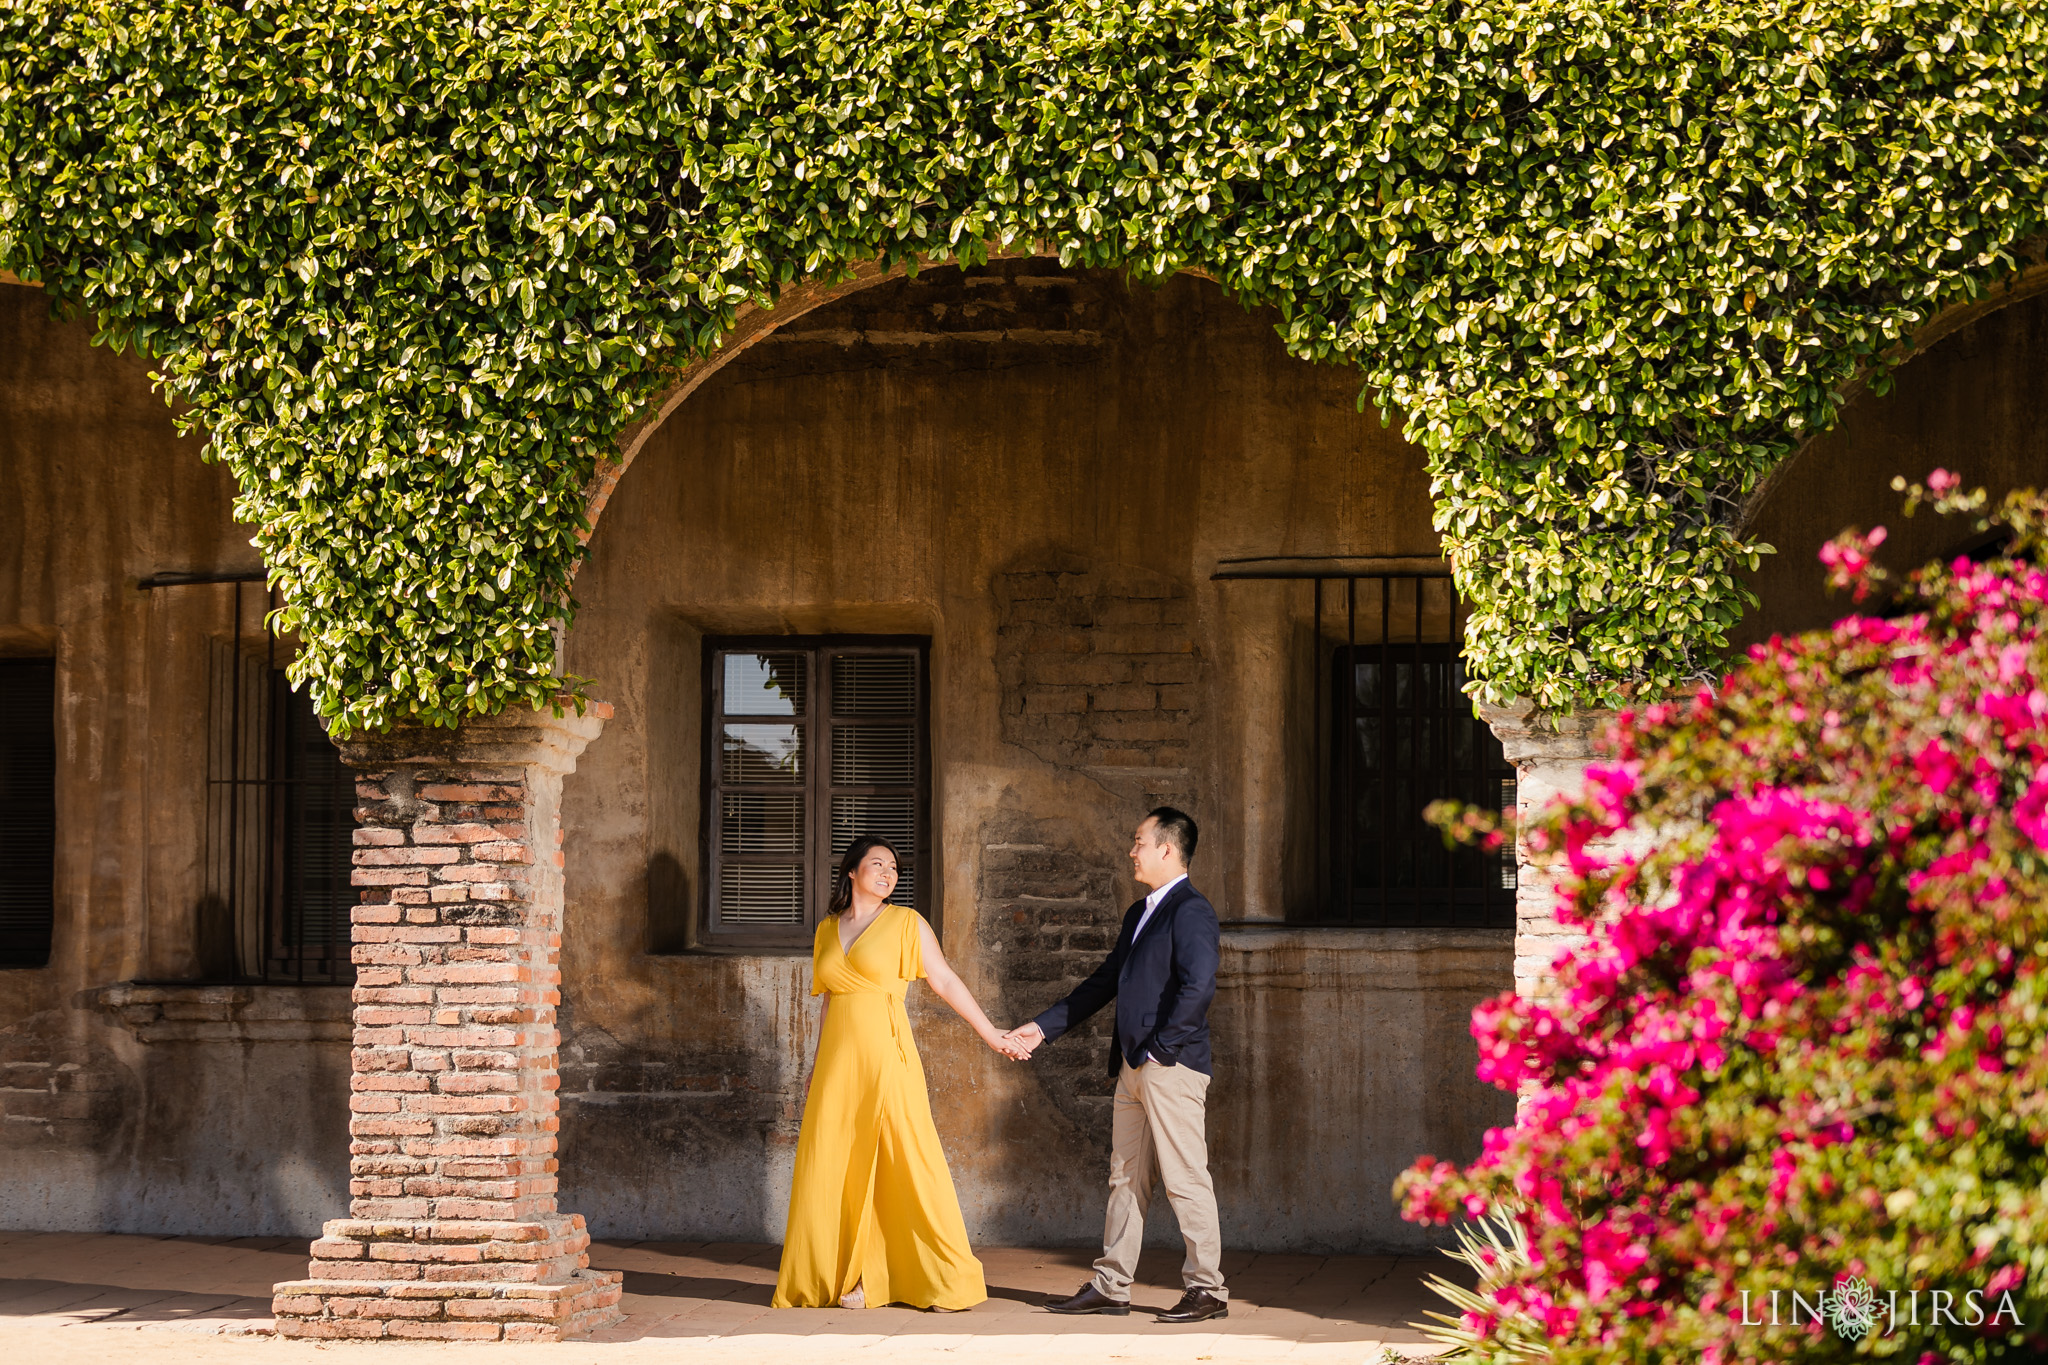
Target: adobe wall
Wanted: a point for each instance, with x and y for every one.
(175, 1110)
(1040, 471)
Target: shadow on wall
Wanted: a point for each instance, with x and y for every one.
(1342, 1055)
(670, 906)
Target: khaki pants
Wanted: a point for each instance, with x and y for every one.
(1160, 1115)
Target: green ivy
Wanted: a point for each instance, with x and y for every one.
(414, 266)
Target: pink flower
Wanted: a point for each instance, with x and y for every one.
(1746, 974)
(1937, 767)
(2031, 812)
(1848, 558)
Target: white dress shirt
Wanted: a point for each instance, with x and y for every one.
(1151, 904)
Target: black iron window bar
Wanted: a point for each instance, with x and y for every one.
(279, 818)
(1392, 731)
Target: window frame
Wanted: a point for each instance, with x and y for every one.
(817, 785)
(1478, 888)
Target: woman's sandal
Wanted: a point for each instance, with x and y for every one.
(855, 1297)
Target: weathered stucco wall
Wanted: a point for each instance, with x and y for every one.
(1975, 402)
(1040, 471)
(229, 1119)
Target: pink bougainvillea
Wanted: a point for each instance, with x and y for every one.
(1804, 1039)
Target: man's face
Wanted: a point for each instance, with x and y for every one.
(1154, 861)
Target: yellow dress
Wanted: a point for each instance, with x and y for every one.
(872, 1203)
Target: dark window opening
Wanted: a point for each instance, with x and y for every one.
(1396, 733)
(28, 810)
(1414, 740)
(280, 823)
(809, 744)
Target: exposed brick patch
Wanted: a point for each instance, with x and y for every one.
(1048, 917)
(997, 316)
(453, 1231)
(1099, 668)
(598, 1067)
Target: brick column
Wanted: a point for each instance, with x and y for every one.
(452, 1230)
(1550, 754)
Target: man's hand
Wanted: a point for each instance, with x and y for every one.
(1026, 1037)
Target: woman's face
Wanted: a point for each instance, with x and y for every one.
(876, 873)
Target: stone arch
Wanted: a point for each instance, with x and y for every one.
(985, 413)
(752, 324)
(2026, 283)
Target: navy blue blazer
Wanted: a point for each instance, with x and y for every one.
(1162, 985)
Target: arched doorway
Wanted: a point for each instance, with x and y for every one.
(1034, 477)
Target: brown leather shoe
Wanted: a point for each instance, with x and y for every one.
(1197, 1305)
(1089, 1300)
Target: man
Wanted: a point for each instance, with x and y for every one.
(1162, 975)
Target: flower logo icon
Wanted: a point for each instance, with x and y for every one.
(1852, 1308)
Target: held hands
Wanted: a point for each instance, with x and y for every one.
(1008, 1046)
(1021, 1042)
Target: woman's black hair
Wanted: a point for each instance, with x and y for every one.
(842, 883)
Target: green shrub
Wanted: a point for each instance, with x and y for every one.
(415, 264)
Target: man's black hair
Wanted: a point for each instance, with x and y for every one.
(1177, 827)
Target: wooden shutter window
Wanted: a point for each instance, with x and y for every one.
(873, 743)
(759, 795)
(812, 743)
(28, 810)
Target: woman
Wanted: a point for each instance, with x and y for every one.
(872, 1214)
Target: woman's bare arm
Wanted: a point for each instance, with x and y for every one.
(811, 1066)
(947, 985)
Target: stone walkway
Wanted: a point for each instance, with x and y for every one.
(207, 1299)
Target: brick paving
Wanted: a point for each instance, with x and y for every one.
(206, 1299)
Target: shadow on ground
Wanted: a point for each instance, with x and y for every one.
(705, 1290)
(1280, 1304)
